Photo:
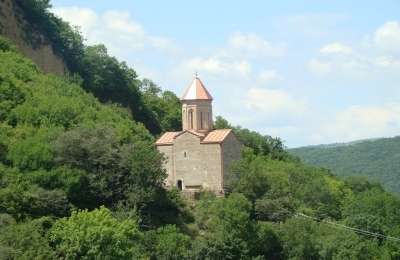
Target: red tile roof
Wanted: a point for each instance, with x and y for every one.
(192, 132)
(196, 91)
(167, 138)
(217, 136)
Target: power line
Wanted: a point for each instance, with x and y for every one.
(359, 231)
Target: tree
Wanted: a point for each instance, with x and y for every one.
(263, 145)
(33, 152)
(299, 239)
(130, 173)
(95, 235)
(110, 80)
(164, 108)
(221, 246)
(248, 177)
(265, 242)
(172, 244)
(172, 120)
(357, 183)
(26, 240)
(113, 172)
(16, 197)
(336, 243)
(221, 123)
(365, 222)
(274, 209)
(53, 203)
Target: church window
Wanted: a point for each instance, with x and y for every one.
(179, 184)
(184, 154)
(191, 119)
(201, 120)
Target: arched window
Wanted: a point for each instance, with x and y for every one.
(184, 154)
(201, 120)
(191, 118)
(179, 184)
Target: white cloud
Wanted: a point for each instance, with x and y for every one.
(361, 63)
(268, 99)
(359, 122)
(267, 75)
(383, 61)
(319, 67)
(335, 47)
(162, 43)
(251, 44)
(351, 65)
(308, 26)
(119, 22)
(272, 100)
(218, 65)
(115, 29)
(387, 38)
(85, 18)
(352, 123)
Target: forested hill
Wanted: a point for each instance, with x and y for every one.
(58, 48)
(343, 144)
(80, 177)
(378, 160)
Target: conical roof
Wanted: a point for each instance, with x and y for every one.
(196, 91)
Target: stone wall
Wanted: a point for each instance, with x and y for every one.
(167, 150)
(31, 44)
(231, 150)
(197, 165)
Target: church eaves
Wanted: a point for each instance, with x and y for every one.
(196, 91)
(217, 136)
(167, 138)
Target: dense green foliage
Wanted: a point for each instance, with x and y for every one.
(61, 146)
(99, 73)
(378, 160)
(100, 234)
(81, 180)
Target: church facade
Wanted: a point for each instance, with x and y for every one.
(198, 156)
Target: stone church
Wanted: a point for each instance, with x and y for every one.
(198, 156)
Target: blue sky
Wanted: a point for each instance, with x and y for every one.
(309, 72)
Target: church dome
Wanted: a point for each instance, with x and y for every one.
(196, 91)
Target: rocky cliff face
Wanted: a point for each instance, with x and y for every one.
(29, 41)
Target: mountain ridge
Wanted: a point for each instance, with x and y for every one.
(377, 159)
(332, 145)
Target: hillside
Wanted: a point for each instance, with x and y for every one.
(342, 144)
(378, 160)
(80, 178)
(58, 48)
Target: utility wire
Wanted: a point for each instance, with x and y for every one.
(359, 231)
